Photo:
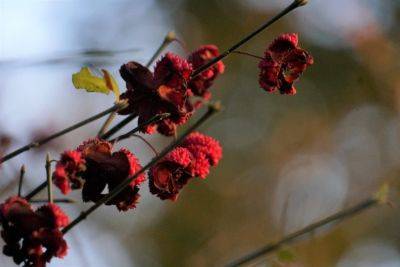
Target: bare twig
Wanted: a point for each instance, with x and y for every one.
(146, 142)
(291, 7)
(261, 252)
(48, 179)
(21, 179)
(62, 132)
(156, 118)
(211, 111)
(57, 200)
(107, 123)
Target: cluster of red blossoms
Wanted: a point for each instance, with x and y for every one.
(192, 158)
(284, 61)
(169, 89)
(93, 166)
(32, 237)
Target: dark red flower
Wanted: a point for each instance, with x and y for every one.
(192, 158)
(32, 237)
(169, 176)
(102, 169)
(67, 171)
(202, 82)
(165, 91)
(284, 61)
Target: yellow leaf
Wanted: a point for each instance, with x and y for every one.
(111, 83)
(84, 79)
(383, 194)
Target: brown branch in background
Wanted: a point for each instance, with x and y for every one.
(261, 252)
(212, 109)
(291, 7)
(62, 132)
(21, 179)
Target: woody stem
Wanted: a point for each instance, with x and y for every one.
(62, 132)
(261, 252)
(21, 179)
(211, 111)
(48, 179)
(247, 54)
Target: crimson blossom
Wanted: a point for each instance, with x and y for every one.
(284, 61)
(193, 158)
(93, 166)
(32, 237)
(164, 91)
(200, 84)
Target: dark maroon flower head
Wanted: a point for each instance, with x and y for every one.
(284, 61)
(202, 82)
(165, 91)
(192, 158)
(67, 172)
(32, 237)
(107, 169)
(169, 176)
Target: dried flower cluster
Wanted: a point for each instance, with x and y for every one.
(169, 88)
(192, 158)
(93, 166)
(284, 61)
(32, 237)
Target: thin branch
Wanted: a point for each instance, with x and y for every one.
(62, 132)
(57, 200)
(146, 142)
(21, 179)
(118, 127)
(261, 252)
(292, 6)
(48, 179)
(169, 38)
(107, 123)
(211, 111)
(155, 119)
(247, 54)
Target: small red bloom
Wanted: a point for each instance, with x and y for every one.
(192, 158)
(169, 176)
(102, 169)
(67, 171)
(199, 143)
(202, 82)
(165, 91)
(32, 237)
(284, 61)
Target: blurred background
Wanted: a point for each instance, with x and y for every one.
(288, 161)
